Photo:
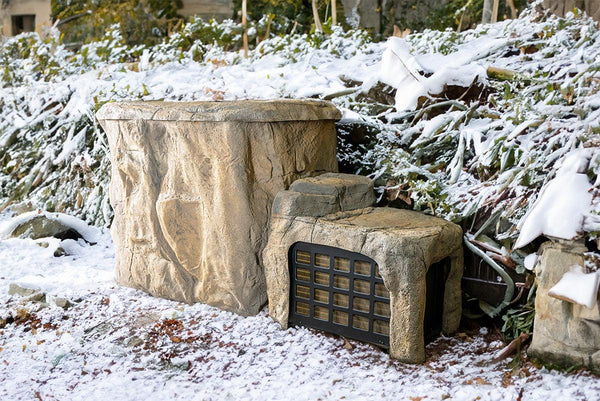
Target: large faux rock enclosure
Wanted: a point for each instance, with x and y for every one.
(192, 188)
(334, 210)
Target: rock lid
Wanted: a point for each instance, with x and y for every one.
(398, 220)
(224, 111)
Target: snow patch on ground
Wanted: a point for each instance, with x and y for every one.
(119, 343)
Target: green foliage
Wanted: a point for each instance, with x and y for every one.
(519, 319)
(289, 13)
(141, 21)
(467, 11)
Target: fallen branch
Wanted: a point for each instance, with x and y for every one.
(445, 103)
(343, 92)
(513, 347)
(72, 18)
(487, 247)
(505, 260)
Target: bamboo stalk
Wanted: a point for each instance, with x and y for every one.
(486, 15)
(495, 11)
(318, 27)
(245, 27)
(333, 13)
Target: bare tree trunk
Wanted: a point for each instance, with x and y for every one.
(513, 9)
(486, 18)
(495, 11)
(333, 13)
(318, 27)
(245, 27)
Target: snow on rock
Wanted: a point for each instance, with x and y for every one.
(562, 205)
(530, 261)
(32, 264)
(89, 233)
(578, 287)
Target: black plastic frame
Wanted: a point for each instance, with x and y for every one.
(329, 326)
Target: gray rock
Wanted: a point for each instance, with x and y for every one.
(134, 341)
(62, 303)
(38, 297)
(42, 227)
(29, 294)
(16, 289)
(564, 334)
(351, 191)
(59, 252)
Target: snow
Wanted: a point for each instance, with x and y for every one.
(120, 343)
(403, 70)
(578, 287)
(495, 155)
(563, 203)
(530, 261)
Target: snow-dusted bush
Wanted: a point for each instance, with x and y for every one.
(465, 159)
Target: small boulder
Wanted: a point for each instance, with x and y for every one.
(30, 294)
(134, 341)
(40, 224)
(43, 227)
(350, 191)
(60, 251)
(16, 289)
(62, 303)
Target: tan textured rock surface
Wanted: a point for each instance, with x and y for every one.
(402, 242)
(563, 333)
(325, 194)
(192, 188)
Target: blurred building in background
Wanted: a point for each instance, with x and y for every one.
(218, 9)
(561, 7)
(18, 16)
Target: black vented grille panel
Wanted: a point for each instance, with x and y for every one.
(338, 291)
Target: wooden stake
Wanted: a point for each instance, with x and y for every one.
(495, 11)
(318, 27)
(333, 13)
(244, 26)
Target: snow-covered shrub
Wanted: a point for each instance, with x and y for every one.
(466, 158)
